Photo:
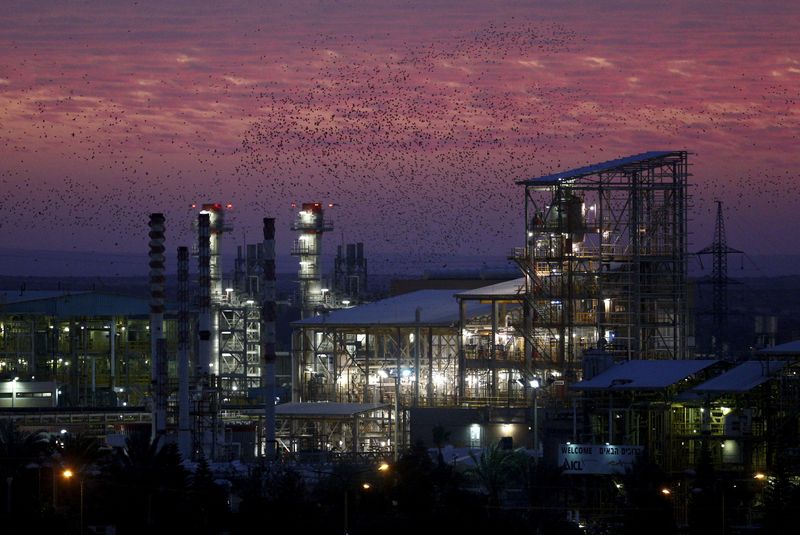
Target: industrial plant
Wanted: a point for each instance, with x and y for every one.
(585, 357)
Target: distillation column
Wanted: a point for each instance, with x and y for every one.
(310, 224)
(204, 360)
(184, 421)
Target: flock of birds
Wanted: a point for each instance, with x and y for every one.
(419, 145)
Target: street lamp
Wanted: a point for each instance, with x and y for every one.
(535, 384)
(383, 467)
(69, 474)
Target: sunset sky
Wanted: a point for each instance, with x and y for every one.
(415, 118)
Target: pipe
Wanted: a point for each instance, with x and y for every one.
(268, 316)
(417, 351)
(184, 423)
(157, 322)
(112, 335)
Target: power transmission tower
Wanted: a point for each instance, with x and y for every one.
(719, 252)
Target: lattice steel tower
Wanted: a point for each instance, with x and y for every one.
(719, 252)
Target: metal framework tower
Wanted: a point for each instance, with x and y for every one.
(311, 225)
(719, 252)
(605, 262)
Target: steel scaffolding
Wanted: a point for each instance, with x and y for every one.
(605, 262)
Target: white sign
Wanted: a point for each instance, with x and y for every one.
(597, 459)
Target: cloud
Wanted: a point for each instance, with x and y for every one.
(598, 62)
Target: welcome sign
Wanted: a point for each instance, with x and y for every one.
(597, 459)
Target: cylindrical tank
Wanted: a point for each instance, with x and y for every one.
(566, 216)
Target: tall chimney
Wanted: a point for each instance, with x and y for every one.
(204, 283)
(268, 314)
(184, 423)
(157, 324)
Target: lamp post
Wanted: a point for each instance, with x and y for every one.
(382, 468)
(534, 384)
(69, 474)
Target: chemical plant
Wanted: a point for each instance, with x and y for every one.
(589, 347)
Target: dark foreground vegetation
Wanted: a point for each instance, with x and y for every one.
(69, 484)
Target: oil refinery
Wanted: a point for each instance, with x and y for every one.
(591, 343)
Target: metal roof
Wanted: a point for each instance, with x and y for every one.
(644, 375)
(512, 288)
(77, 304)
(437, 308)
(789, 348)
(603, 167)
(325, 409)
(743, 377)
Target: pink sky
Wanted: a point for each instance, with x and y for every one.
(416, 120)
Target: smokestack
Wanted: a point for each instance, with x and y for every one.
(184, 423)
(204, 282)
(268, 314)
(158, 381)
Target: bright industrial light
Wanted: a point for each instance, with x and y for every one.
(16, 379)
(406, 372)
(534, 383)
(383, 374)
(228, 290)
(665, 491)
(383, 467)
(366, 486)
(345, 302)
(725, 410)
(67, 473)
(759, 476)
(234, 388)
(249, 302)
(63, 431)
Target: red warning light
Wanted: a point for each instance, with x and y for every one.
(229, 205)
(194, 205)
(330, 205)
(294, 205)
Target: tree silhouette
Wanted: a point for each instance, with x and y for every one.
(496, 468)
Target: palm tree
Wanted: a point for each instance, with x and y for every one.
(146, 486)
(496, 468)
(440, 438)
(19, 450)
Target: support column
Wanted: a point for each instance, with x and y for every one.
(366, 367)
(430, 367)
(462, 364)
